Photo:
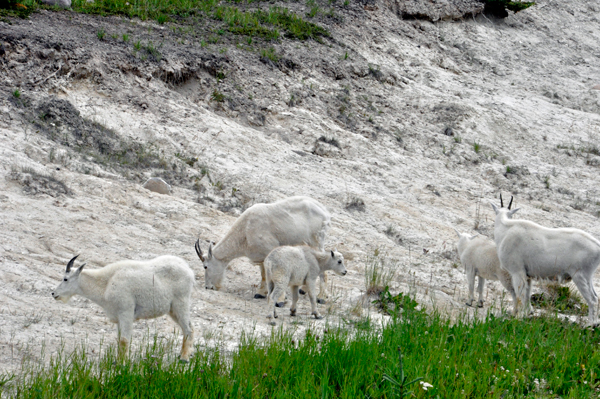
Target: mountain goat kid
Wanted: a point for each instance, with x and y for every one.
(296, 266)
(131, 290)
(527, 250)
(479, 257)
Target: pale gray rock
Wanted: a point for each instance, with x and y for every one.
(436, 10)
(60, 3)
(157, 185)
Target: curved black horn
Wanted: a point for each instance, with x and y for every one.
(70, 264)
(501, 203)
(510, 203)
(199, 250)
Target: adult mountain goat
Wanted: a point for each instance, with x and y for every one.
(479, 257)
(527, 250)
(260, 229)
(131, 290)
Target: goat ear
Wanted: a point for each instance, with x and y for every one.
(78, 271)
(199, 250)
(509, 214)
(332, 254)
(457, 233)
(475, 236)
(209, 251)
(495, 208)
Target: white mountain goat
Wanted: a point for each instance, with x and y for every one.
(527, 250)
(479, 257)
(131, 290)
(260, 229)
(296, 266)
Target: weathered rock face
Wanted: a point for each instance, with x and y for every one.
(436, 10)
(403, 129)
(59, 3)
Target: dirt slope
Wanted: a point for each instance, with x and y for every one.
(422, 122)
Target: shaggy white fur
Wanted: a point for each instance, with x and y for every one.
(131, 290)
(479, 257)
(296, 266)
(527, 250)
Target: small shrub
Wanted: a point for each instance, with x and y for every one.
(547, 181)
(16, 93)
(378, 273)
(559, 298)
(152, 50)
(332, 141)
(476, 147)
(125, 37)
(162, 18)
(269, 54)
(357, 204)
(217, 96)
(457, 139)
(390, 231)
(392, 304)
(101, 33)
(137, 45)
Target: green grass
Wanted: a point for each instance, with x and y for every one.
(492, 358)
(263, 23)
(269, 54)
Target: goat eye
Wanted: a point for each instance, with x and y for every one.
(339, 261)
(65, 280)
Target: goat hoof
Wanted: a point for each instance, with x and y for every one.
(480, 305)
(301, 291)
(293, 313)
(317, 316)
(279, 304)
(321, 301)
(259, 296)
(468, 304)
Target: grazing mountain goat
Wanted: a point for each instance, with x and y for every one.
(297, 266)
(480, 258)
(260, 229)
(527, 250)
(131, 290)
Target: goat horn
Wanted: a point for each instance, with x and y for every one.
(199, 250)
(510, 203)
(70, 264)
(501, 203)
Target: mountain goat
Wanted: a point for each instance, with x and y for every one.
(260, 229)
(131, 290)
(527, 250)
(479, 257)
(296, 266)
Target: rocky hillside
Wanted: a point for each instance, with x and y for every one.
(404, 118)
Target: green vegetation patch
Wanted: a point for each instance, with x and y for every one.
(494, 358)
(560, 298)
(17, 8)
(262, 23)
